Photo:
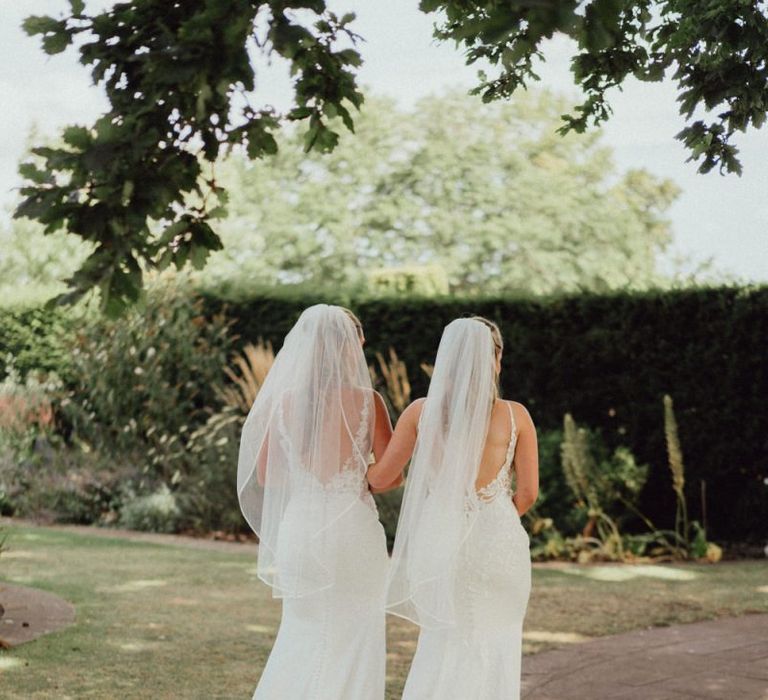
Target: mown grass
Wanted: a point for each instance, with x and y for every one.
(160, 621)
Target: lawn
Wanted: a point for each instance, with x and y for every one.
(163, 621)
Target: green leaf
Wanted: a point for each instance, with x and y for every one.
(175, 229)
(198, 256)
(30, 171)
(300, 113)
(319, 137)
(77, 136)
(56, 43)
(350, 57)
(38, 24)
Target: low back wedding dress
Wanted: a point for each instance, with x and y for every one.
(301, 483)
(461, 563)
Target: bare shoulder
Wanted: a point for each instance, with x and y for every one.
(378, 399)
(523, 418)
(413, 411)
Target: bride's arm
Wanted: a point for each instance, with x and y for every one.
(387, 472)
(261, 461)
(526, 461)
(382, 434)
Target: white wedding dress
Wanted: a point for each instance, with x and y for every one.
(479, 657)
(331, 644)
(301, 484)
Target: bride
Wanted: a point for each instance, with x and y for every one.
(461, 564)
(301, 482)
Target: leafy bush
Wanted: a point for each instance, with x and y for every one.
(36, 339)
(128, 419)
(207, 495)
(156, 512)
(62, 484)
(604, 485)
(146, 381)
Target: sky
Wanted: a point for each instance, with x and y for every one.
(719, 218)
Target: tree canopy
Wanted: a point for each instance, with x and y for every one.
(492, 197)
(715, 50)
(137, 184)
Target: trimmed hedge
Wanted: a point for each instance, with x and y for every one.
(608, 359)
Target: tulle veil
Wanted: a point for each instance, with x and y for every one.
(439, 503)
(307, 434)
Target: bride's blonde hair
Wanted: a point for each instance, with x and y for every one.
(498, 341)
(498, 344)
(355, 320)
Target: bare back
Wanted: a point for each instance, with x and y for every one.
(525, 459)
(497, 444)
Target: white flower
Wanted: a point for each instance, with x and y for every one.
(138, 371)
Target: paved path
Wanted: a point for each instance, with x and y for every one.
(724, 659)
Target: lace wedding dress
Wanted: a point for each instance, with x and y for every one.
(302, 488)
(479, 657)
(331, 643)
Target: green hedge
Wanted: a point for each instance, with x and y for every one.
(35, 338)
(609, 359)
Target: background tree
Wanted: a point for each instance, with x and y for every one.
(33, 264)
(178, 77)
(491, 196)
(179, 82)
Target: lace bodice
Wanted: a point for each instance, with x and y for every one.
(348, 480)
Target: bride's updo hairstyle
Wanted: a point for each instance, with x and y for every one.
(356, 321)
(498, 341)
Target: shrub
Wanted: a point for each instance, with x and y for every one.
(605, 486)
(62, 484)
(146, 381)
(26, 404)
(36, 339)
(207, 494)
(156, 512)
(138, 390)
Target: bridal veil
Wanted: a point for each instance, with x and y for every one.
(306, 439)
(438, 509)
